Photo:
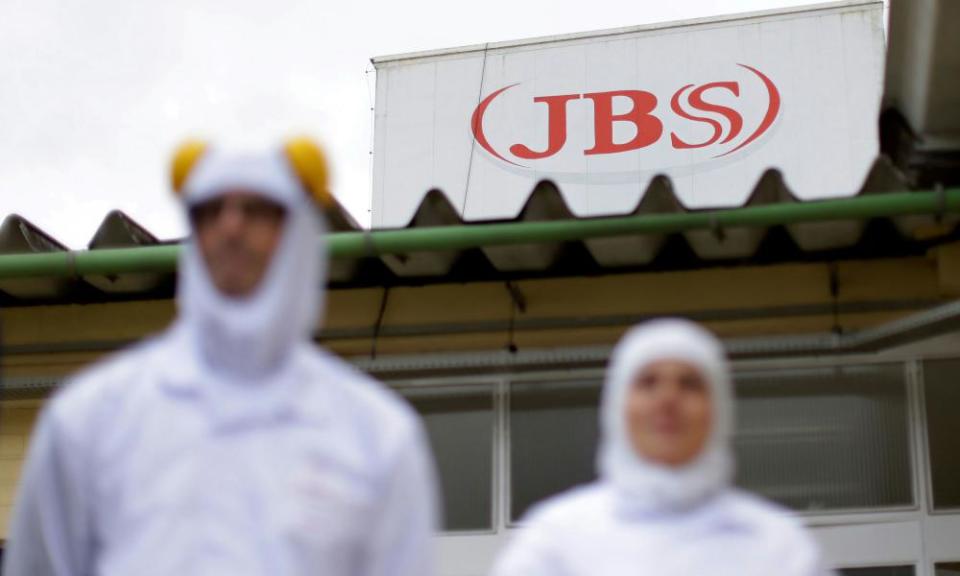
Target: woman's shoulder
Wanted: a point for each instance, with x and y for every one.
(568, 507)
(778, 525)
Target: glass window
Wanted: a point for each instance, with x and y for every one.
(553, 439)
(947, 569)
(825, 438)
(460, 424)
(878, 571)
(811, 439)
(942, 392)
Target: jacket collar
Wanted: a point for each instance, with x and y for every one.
(283, 397)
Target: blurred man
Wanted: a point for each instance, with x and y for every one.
(663, 505)
(230, 444)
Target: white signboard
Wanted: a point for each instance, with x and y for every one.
(712, 104)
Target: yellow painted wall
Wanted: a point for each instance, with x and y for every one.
(438, 312)
(16, 423)
(920, 279)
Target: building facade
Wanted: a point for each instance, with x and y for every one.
(776, 205)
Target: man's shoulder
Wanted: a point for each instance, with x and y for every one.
(352, 392)
(97, 389)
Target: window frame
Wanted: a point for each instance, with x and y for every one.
(926, 461)
(478, 544)
(816, 517)
(509, 522)
(493, 385)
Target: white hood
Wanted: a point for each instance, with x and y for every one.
(642, 486)
(249, 339)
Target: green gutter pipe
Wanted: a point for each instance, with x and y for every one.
(442, 238)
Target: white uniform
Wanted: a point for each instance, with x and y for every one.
(229, 445)
(645, 519)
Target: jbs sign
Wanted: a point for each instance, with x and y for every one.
(724, 128)
(709, 106)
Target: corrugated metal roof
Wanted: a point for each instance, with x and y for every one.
(906, 138)
(692, 249)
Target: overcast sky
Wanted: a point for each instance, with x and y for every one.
(94, 95)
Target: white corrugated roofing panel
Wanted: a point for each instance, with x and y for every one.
(711, 104)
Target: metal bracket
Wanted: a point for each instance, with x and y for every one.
(379, 323)
(519, 300)
(941, 195)
(716, 228)
(518, 303)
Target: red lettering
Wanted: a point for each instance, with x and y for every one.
(773, 108)
(649, 128)
(698, 103)
(557, 128)
(691, 103)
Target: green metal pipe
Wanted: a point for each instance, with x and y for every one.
(443, 238)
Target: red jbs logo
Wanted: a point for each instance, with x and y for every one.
(722, 126)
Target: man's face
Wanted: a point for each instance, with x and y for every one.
(669, 412)
(237, 233)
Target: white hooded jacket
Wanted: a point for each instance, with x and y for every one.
(229, 445)
(645, 519)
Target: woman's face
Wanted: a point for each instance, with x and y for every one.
(669, 412)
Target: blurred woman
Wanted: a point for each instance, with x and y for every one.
(664, 504)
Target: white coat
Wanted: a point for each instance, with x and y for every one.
(229, 445)
(645, 519)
